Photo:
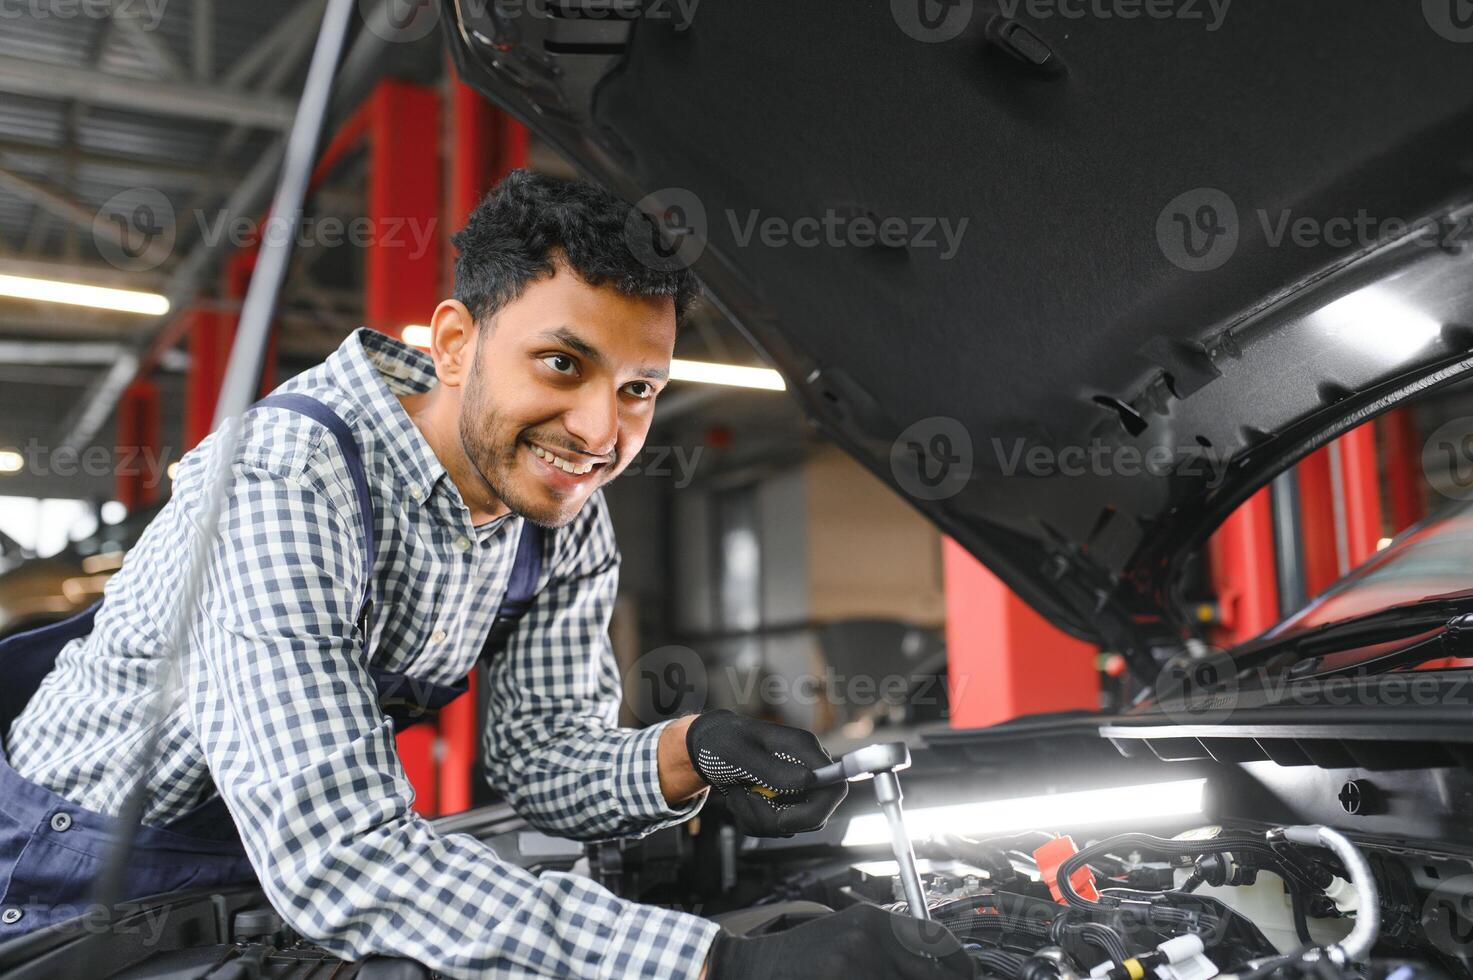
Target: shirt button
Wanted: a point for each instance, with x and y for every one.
(438, 636)
(61, 822)
(462, 543)
(11, 915)
(416, 493)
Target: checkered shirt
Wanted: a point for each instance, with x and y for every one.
(278, 711)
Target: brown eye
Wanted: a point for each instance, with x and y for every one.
(561, 363)
(640, 389)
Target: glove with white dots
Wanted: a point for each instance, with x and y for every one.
(764, 771)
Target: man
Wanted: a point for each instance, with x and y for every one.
(382, 506)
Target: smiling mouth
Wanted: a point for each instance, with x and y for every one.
(566, 465)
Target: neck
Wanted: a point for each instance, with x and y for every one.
(436, 414)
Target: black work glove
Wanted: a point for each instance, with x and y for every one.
(860, 943)
(764, 771)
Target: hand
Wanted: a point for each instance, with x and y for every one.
(764, 771)
(860, 943)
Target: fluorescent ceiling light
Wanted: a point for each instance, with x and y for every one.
(1056, 811)
(1380, 324)
(416, 335)
(80, 294)
(710, 373)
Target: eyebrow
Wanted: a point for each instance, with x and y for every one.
(568, 338)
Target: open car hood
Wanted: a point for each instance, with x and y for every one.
(1184, 258)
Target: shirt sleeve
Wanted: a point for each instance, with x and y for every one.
(286, 712)
(552, 743)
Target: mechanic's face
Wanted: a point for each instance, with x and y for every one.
(561, 392)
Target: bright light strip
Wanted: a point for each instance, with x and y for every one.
(707, 372)
(11, 461)
(1380, 324)
(1057, 811)
(416, 335)
(80, 294)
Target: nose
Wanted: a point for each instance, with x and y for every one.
(594, 420)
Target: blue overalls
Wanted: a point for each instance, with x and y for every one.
(52, 849)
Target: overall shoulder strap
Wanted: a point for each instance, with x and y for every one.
(333, 422)
(521, 590)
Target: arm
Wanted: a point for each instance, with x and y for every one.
(551, 742)
(287, 715)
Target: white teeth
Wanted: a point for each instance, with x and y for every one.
(577, 469)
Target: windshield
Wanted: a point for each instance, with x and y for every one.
(1433, 559)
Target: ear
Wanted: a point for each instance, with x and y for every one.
(453, 342)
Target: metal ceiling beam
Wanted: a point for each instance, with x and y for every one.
(68, 210)
(151, 46)
(90, 272)
(134, 166)
(266, 51)
(23, 76)
(202, 40)
(360, 68)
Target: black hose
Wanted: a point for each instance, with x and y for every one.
(1237, 843)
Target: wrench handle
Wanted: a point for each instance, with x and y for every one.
(830, 774)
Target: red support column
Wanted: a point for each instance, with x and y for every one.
(1003, 659)
(402, 263)
(402, 284)
(137, 461)
(485, 144)
(1361, 491)
(1317, 523)
(1401, 454)
(1241, 555)
(210, 338)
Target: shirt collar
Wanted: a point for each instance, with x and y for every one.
(372, 368)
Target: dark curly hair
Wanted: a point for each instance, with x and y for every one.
(529, 222)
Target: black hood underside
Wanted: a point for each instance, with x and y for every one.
(1105, 284)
